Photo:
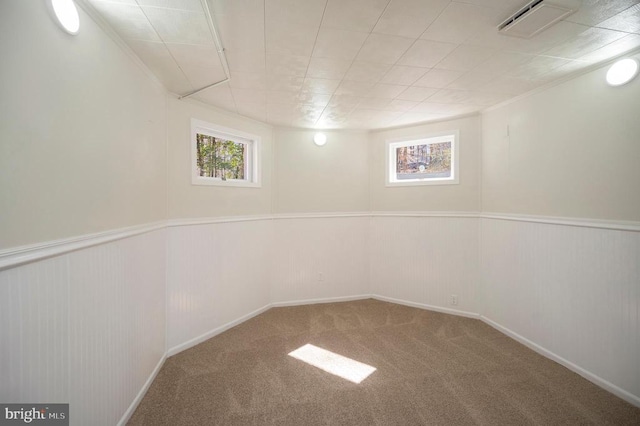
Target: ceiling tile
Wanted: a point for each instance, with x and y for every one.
(536, 67)
(378, 103)
(416, 117)
(355, 15)
(472, 80)
(510, 85)
(465, 57)
(281, 97)
(195, 55)
(618, 47)
(438, 78)
(320, 85)
(409, 18)
(248, 8)
(284, 82)
(290, 38)
(511, 6)
(316, 99)
(249, 96)
(367, 71)
(257, 111)
(354, 88)
(592, 12)
(449, 109)
(502, 62)
(128, 20)
(328, 68)
(190, 5)
(179, 26)
(248, 80)
(403, 75)
(306, 13)
(426, 53)
(202, 77)
(386, 91)
(295, 66)
(339, 44)
(417, 94)
(401, 105)
(240, 33)
(628, 20)
(246, 60)
(384, 48)
(157, 57)
(590, 40)
(345, 101)
(459, 21)
(219, 96)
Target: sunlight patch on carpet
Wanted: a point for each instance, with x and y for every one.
(333, 363)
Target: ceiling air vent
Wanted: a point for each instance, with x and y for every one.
(537, 16)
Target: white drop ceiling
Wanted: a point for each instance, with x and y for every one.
(362, 64)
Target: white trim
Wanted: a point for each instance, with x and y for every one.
(426, 307)
(320, 300)
(25, 254)
(580, 222)
(143, 391)
(211, 333)
(627, 396)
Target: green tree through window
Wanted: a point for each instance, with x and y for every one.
(220, 158)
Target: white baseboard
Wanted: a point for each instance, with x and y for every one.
(427, 307)
(209, 334)
(627, 396)
(143, 391)
(320, 300)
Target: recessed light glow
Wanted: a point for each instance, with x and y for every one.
(67, 14)
(320, 139)
(622, 72)
(341, 366)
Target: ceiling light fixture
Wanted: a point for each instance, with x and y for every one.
(319, 139)
(622, 72)
(67, 15)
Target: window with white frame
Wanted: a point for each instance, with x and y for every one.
(223, 156)
(428, 160)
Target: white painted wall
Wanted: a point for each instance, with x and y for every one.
(330, 178)
(570, 151)
(82, 130)
(464, 196)
(190, 201)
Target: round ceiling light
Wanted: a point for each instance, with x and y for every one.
(67, 14)
(320, 139)
(622, 72)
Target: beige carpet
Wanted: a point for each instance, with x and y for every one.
(431, 368)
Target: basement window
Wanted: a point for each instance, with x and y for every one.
(223, 156)
(428, 160)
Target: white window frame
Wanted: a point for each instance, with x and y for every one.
(391, 158)
(252, 160)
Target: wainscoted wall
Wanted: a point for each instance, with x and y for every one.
(424, 260)
(217, 273)
(86, 327)
(320, 258)
(91, 326)
(573, 291)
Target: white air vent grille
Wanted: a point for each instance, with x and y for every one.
(535, 17)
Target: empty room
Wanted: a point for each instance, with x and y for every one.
(319, 212)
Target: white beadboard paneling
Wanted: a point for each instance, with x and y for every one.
(304, 248)
(34, 333)
(116, 324)
(572, 290)
(425, 260)
(216, 274)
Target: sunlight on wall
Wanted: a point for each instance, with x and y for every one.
(333, 363)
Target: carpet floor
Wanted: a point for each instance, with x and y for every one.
(431, 368)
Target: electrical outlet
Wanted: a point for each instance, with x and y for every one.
(320, 276)
(454, 299)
